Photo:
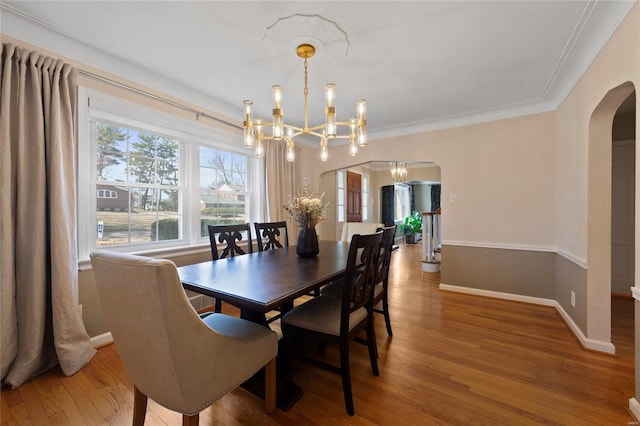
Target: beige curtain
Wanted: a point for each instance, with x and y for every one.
(283, 180)
(40, 320)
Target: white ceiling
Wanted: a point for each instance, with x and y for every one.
(420, 64)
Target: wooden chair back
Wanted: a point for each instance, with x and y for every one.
(360, 275)
(271, 235)
(230, 235)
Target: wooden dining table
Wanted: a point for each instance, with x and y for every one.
(264, 281)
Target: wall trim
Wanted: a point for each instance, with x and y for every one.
(634, 407)
(167, 252)
(506, 246)
(585, 342)
(635, 292)
(498, 295)
(573, 258)
(101, 340)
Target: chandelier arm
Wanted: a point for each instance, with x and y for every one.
(292, 127)
(346, 123)
(314, 128)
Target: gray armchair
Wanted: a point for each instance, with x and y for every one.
(181, 361)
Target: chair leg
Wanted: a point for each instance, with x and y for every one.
(387, 320)
(346, 376)
(190, 420)
(139, 407)
(218, 306)
(270, 387)
(373, 347)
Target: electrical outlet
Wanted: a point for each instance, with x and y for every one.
(573, 298)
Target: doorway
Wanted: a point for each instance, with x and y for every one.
(354, 197)
(599, 226)
(623, 155)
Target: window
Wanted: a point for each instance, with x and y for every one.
(341, 195)
(365, 198)
(402, 202)
(105, 193)
(157, 180)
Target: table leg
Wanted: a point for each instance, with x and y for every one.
(287, 392)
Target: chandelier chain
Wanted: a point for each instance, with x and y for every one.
(306, 96)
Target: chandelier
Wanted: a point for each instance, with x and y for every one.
(398, 172)
(257, 131)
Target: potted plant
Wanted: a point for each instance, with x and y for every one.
(412, 228)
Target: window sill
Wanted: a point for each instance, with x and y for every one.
(85, 264)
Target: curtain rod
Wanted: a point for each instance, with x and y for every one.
(158, 98)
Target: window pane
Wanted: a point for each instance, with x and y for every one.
(111, 149)
(223, 188)
(130, 214)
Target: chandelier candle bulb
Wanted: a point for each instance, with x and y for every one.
(324, 153)
(258, 128)
(352, 130)
(330, 111)
(353, 149)
(291, 155)
(248, 130)
(277, 113)
(259, 149)
(361, 107)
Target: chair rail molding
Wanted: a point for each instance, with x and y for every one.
(525, 247)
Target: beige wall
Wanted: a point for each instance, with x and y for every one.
(583, 167)
(501, 172)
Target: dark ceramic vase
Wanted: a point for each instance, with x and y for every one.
(307, 242)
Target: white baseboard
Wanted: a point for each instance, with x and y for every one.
(498, 295)
(585, 342)
(634, 406)
(101, 340)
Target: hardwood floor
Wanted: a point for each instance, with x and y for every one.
(454, 359)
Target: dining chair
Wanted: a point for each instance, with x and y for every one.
(380, 291)
(340, 320)
(173, 356)
(228, 236)
(271, 235)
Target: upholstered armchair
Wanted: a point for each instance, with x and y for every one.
(181, 361)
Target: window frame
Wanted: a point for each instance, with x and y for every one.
(95, 105)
